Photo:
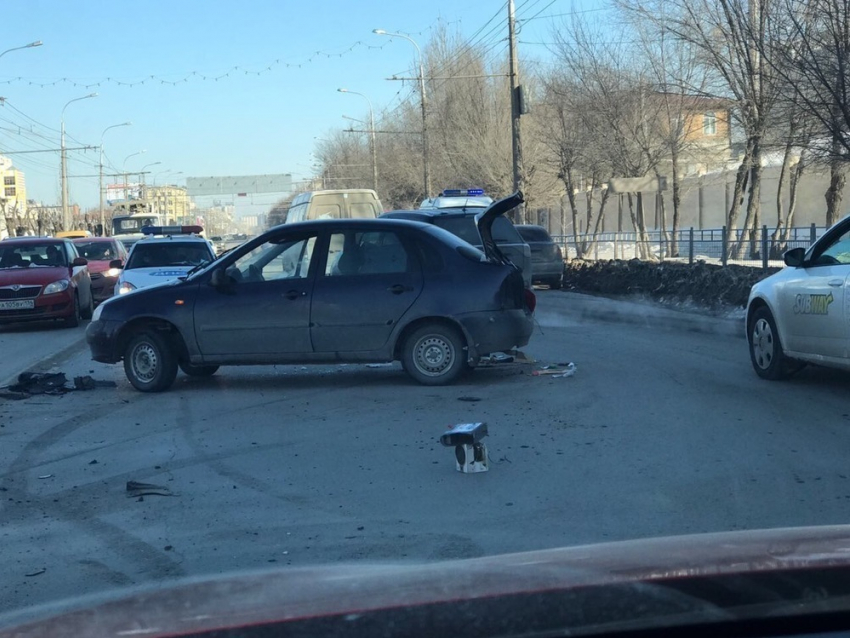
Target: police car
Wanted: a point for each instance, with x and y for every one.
(165, 253)
(458, 198)
(801, 314)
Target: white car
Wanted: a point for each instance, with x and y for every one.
(160, 259)
(801, 314)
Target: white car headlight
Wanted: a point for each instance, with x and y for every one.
(125, 287)
(113, 272)
(56, 286)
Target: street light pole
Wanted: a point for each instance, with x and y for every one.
(124, 168)
(66, 219)
(423, 103)
(37, 43)
(102, 213)
(372, 145)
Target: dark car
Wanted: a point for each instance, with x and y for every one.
(462, 222)
(99, 252)
(43, 278)
(349, 290)
(547, 261)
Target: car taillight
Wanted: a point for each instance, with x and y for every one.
(530, 299)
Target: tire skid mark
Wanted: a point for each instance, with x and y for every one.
(184, 422)
(78, 513)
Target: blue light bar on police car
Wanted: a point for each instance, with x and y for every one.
(171, 230)
(462, 192)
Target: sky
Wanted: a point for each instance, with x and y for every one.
(215, 88)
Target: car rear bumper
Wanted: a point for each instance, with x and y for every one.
(496, 331)
(102, 288)
(102, 337)
(546, 270)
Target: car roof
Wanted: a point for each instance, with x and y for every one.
(35, 240)
(429, 213)
(159, 239)
(89, 240)
(381, 222)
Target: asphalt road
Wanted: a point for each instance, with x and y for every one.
(663, 430)
(27, 345)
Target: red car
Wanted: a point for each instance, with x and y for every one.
(99, 251)
(43, 278)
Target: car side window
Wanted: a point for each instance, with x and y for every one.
(836, 253)
(366, 253)
(275, 259)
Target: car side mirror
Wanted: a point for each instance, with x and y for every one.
(116, 263)
(220, 280)
(794, 257)
(79, 261)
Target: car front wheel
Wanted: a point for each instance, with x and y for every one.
(768, 358)
(197, 371)
(433, 355)
(149, 362)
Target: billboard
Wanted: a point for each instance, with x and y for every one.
(240, 185)
(121, 192)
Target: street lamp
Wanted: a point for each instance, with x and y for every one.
(372, 146)
(425, 159)
(102, 213)
(142, 170)
(66, 221)
(37, 43)
(124, 170)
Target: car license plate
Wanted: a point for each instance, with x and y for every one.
(24, 304)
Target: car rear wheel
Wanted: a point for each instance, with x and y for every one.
(149, 362)
(766, 354)
(556, 282)
(433, 355)
(73, 320)
(197, 371)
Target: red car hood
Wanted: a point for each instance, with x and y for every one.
(33, 275)
(587, 589)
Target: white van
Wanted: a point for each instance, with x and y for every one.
(361, 203)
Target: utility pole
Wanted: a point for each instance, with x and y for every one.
(516, 111)
(66, 217)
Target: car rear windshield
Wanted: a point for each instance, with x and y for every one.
(97, 250)
(169, 254)
(534, 233)
(504, 232)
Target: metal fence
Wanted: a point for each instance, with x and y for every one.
(709, 245)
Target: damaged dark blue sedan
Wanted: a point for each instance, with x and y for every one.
(329, 291)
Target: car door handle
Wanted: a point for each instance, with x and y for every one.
(294, 294)
(835, 283)
(398, 289)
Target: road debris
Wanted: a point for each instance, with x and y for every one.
(88, 383)
(135, 488)
(46, 476)
(469, 399)
(37, 572)
(50, 383)
(556, 372)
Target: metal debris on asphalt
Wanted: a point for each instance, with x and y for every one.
(50, 383)
(556, 372)
(46, 476)
(469, 399)
(37, 572)
(135, 488)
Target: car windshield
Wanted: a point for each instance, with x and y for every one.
(534, 233)
(97, 250)
(31, 254)
(653, 342)
(171, 253)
